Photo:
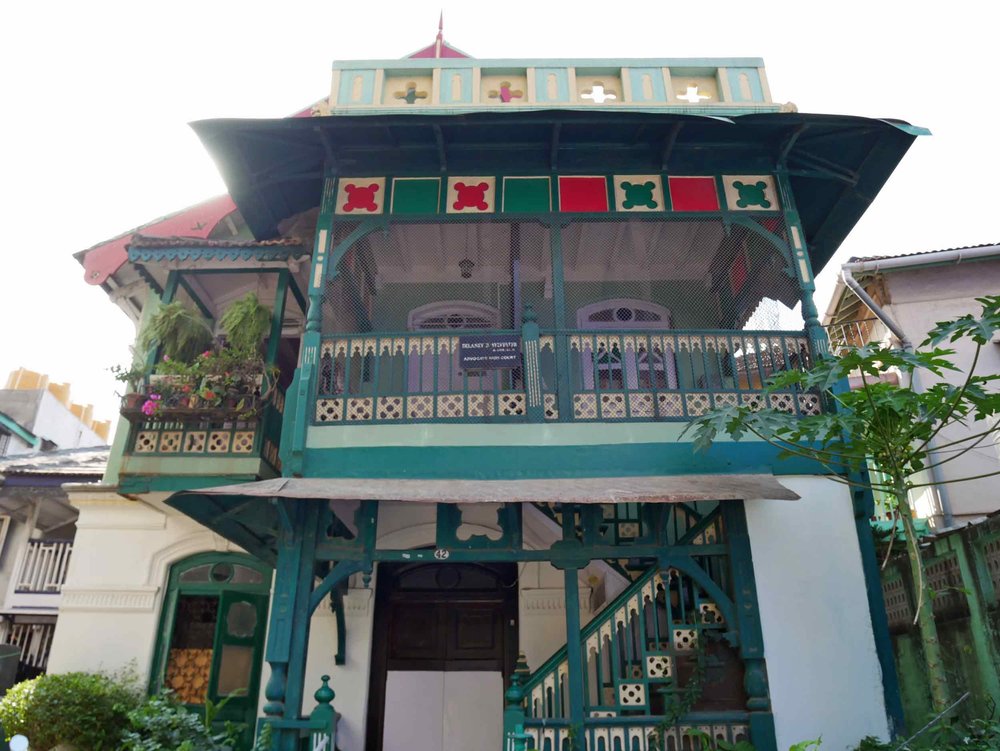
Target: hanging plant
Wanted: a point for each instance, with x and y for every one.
(180, 332)
(246, 322)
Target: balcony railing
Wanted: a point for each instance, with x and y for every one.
(44, 566)
(238, 425)
(854, 333)
(390, 377)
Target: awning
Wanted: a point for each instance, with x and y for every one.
(655, 489)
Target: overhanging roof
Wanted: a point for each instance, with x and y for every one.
(837, 164)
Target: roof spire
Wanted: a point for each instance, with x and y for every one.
(440, 37)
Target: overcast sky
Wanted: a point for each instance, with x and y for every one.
(97, 97)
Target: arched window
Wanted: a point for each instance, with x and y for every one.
(438, 371)
(211, 637)
(630, 364)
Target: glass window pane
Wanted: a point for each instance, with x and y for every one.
(234, 669)
(246, 575)
(222, 572)
(196, 574)
(241, 620)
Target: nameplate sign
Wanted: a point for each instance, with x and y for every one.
(494, 352)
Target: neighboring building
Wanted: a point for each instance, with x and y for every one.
(907, 295)
(38, 415)
(499, 290)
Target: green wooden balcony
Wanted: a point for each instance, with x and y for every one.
(560, 375)
(233, 435)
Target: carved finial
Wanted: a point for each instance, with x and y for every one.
(529, 317)
(515, 694)
(324, 694)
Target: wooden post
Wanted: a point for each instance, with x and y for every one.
(290, 616)
(574, 651)
(762, 733)
(513, 713)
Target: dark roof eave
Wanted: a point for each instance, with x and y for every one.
(274, 168)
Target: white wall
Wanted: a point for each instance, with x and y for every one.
(111, 601)
(822, 665)
(920, 298)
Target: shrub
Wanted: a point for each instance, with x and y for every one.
(85, 710)
(162, 724)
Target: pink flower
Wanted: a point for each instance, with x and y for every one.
(207, 353)
(149, 407)
(166, 358)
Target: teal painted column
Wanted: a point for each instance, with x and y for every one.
(864, 507)
(574, 650)
(288, 633)
(299, 406)
(564, 397)
(802, 266)
(748, 623)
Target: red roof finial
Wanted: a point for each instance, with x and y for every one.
(440, 37)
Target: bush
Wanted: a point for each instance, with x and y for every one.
(84, 710)
(162, 724)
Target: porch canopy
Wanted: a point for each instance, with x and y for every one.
(837, 164)
(653, 489)
(244, 513)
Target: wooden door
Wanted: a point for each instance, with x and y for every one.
(444, 644)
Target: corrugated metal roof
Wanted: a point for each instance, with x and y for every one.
(863, 259)
(82, 461)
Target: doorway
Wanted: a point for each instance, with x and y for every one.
(444, 645)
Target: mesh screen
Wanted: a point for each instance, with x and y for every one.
(617, 273)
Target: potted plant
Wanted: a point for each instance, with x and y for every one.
(180, 332)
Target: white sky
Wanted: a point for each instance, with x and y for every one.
(97, 97)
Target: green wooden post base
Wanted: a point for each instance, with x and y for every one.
(762, 731)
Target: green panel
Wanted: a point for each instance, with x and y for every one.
(514, 462)
(526, 195)
(416, 195)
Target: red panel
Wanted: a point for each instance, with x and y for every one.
(583, 194)
(693, 194)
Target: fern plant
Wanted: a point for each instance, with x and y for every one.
(180, 332)
(245, 323)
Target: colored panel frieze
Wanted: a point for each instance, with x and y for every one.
(639, 193)
(750, 193)
(360, 195)
(471, 195)
(416, 195)
(522, 195)
(693, 193)
(581, 193)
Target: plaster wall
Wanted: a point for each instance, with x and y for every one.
(920, 298)
(818, 641)
(111, 601)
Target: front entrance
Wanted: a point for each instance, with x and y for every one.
(444, 644)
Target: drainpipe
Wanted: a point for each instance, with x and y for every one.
(852, 284)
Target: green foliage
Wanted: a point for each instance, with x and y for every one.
(84, 710)
(707, 743)
(163, 724)
(891, 425)
(246, 322)
(180, 332)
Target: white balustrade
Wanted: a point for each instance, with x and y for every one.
(44, 566)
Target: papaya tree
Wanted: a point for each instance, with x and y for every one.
(887, 424)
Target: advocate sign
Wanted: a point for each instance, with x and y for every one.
(492, 352)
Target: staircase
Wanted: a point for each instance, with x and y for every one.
(660, 661)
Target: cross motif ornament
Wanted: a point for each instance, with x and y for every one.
(598, 94)
(506, 93)
(692, 96)
(411, 95)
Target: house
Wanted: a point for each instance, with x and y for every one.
(897, 299)
(46, 440)
(498, 290)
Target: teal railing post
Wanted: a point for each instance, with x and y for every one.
(532, 368)
(324, 716)
(513, 713)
